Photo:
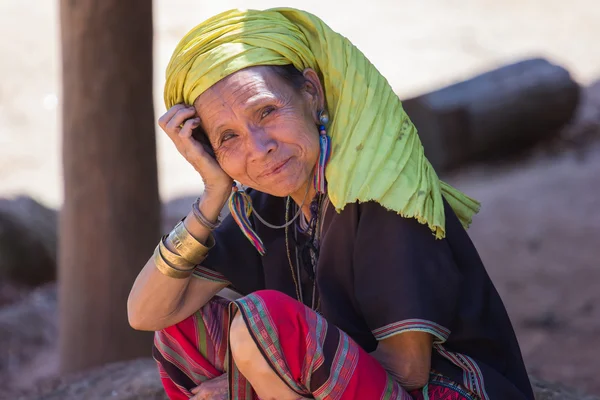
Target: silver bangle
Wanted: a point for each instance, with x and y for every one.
(211, 226)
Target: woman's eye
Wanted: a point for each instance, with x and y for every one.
(227, 136)
(266, 112)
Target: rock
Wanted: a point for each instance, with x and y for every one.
(28, 240)
(494, 114)
(11, 292)
(585, 127)
(128, 380)
(548, 391)
(28, 331)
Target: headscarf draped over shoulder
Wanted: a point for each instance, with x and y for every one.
(376, 152)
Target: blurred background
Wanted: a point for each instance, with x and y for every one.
(539, 227)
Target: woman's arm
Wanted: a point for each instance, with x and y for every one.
(407, 357)
(157, 301)
(407, 285)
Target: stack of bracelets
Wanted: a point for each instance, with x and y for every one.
(189, 252)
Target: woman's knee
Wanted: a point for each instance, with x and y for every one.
(240, 340)
(252, 364)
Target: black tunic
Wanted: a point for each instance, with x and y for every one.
(380, 274)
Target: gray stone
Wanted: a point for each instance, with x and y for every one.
(550, 391)
(28, 328)
(495, 114)
(28, 240)
(129, 380)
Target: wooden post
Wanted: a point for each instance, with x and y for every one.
(109, 223)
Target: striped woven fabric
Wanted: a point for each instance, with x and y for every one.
(315, 359)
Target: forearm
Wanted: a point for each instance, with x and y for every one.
(157, 301)
(407, 358)
(408, 377)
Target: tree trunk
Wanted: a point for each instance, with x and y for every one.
(494, 114)
(110, 220)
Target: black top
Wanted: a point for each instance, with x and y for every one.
(379, 274)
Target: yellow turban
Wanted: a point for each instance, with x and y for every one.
(376, 152)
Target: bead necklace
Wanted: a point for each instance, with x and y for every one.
(314, 229)
(287, 223)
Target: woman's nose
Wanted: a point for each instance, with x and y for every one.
(260, 144)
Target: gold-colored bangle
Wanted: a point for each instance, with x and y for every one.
(167, 269)
(172, 258)
(188, 246)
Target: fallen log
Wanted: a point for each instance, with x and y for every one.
(495, 114)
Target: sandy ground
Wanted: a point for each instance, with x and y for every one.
(539, 227)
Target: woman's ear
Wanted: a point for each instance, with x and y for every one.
(314, 89)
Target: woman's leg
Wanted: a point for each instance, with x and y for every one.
(194, 350)
(311, 357)
(282, 347)
(285, 349)
(252, 364)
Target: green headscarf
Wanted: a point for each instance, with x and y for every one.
(376, 152)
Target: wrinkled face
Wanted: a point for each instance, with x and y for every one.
(262, 129)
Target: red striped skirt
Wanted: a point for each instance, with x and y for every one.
(314, 358)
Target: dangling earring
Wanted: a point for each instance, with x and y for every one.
(325, 152)
(240, 206)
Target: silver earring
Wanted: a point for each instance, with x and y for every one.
(323, 117)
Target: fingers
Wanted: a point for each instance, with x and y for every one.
(166, 117)
(175, 117)
(214, 389)
(208, 394)
(200, 393)
(199, 396)
(188, 126)
(187, 141)
(174, 125)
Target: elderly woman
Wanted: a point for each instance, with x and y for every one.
(356, 277)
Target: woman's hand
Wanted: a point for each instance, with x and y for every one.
(178, 123)
(214, 389)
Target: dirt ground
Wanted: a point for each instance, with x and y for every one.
(539, 227)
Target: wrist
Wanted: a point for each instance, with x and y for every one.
(211, 204)
(217, 192)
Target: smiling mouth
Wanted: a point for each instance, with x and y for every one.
(276, 169)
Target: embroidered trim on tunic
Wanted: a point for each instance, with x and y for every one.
(414, 324)
(441, 387)
(210, 275)
(472, 376)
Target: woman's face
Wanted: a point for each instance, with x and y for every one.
(263, 130)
